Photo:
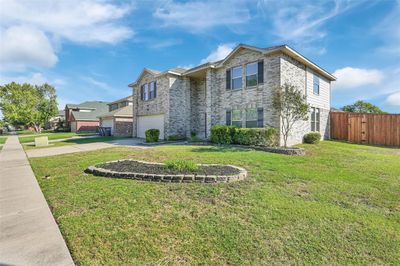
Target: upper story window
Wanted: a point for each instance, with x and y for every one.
(236, 78)
(254, 75)
(148, 91)
(251, 75)
(316, 84)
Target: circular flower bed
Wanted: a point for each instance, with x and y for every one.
(159, 172)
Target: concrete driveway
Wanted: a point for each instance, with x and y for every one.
(131, 142)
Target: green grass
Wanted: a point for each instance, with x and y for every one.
(51, 136)
(337, 205)
(72, 142)
(3, 139)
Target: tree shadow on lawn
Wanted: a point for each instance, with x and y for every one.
(221, 149)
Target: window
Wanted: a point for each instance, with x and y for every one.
(236, 118)
(251, 118)
(315, 119)
(316, 85)
(149, 91)
(146, 92)
(251, 74)
(236, 78)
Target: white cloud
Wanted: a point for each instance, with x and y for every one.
(220, 53)
(23, 46)
(75, 20)
(394, 99)
(349, 77)
(202, 15)
(299, 21)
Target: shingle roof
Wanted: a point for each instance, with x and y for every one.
(98, 108)
(127, 98)
(126, 111)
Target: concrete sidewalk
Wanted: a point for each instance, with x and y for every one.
(42, 152)
(29, 234)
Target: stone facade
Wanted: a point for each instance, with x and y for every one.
(122, 127)
(194, 103)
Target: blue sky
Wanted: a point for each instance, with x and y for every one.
(91, 50)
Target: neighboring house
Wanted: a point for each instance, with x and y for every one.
(119, 117)
(56, 121)
(234, 91)
(84, 117)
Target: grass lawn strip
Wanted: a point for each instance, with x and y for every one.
(51, 136)
(339, 204)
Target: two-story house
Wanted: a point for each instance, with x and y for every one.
(234, 91)
(119, 117)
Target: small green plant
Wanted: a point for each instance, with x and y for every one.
(312, 138)
(181, 165)
(152, 135)
(193, 136)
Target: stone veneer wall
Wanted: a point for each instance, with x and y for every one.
(178, 122)
(198, 110)
(218, 100)
(122, 127)
(295, 73)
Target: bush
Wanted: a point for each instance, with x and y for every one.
(222, 134)
(176, 137)
(182, 165)
(312, 138)
(152, 135)
(256, 136)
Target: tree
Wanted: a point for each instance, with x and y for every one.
(363, 107)
(28, 105)
(292, 106)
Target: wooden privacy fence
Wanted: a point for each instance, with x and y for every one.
(375, 129)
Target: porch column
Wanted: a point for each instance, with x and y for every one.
(208, 114)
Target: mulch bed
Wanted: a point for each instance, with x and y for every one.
(141, 167)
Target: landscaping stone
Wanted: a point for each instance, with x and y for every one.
(236, 173)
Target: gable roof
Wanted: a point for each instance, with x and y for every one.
(97, 108)
(125, 99)
(269, 50)
(126, 111)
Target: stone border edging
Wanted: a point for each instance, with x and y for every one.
(169, 178)
(281, 150)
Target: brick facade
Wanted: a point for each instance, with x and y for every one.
(194, 103)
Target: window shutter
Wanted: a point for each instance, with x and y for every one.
(141, 92)
(228, 117)
(260, 117)
(260, 72)
(155, 89)
(228, 79)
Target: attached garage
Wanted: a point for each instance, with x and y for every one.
(149, 122)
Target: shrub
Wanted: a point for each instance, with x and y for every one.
(193, 136)
(152, 135)
(222, 134)
(256, 136)
(182, 165)
(176, 137)
(312, 138)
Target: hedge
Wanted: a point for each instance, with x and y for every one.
(312, 138)
(152, 135)
(244, 136)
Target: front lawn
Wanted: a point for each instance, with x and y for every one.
(52, 136)
(337, 205)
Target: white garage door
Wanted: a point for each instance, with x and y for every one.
(149, 122)
(108, 123)
(73, 126)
